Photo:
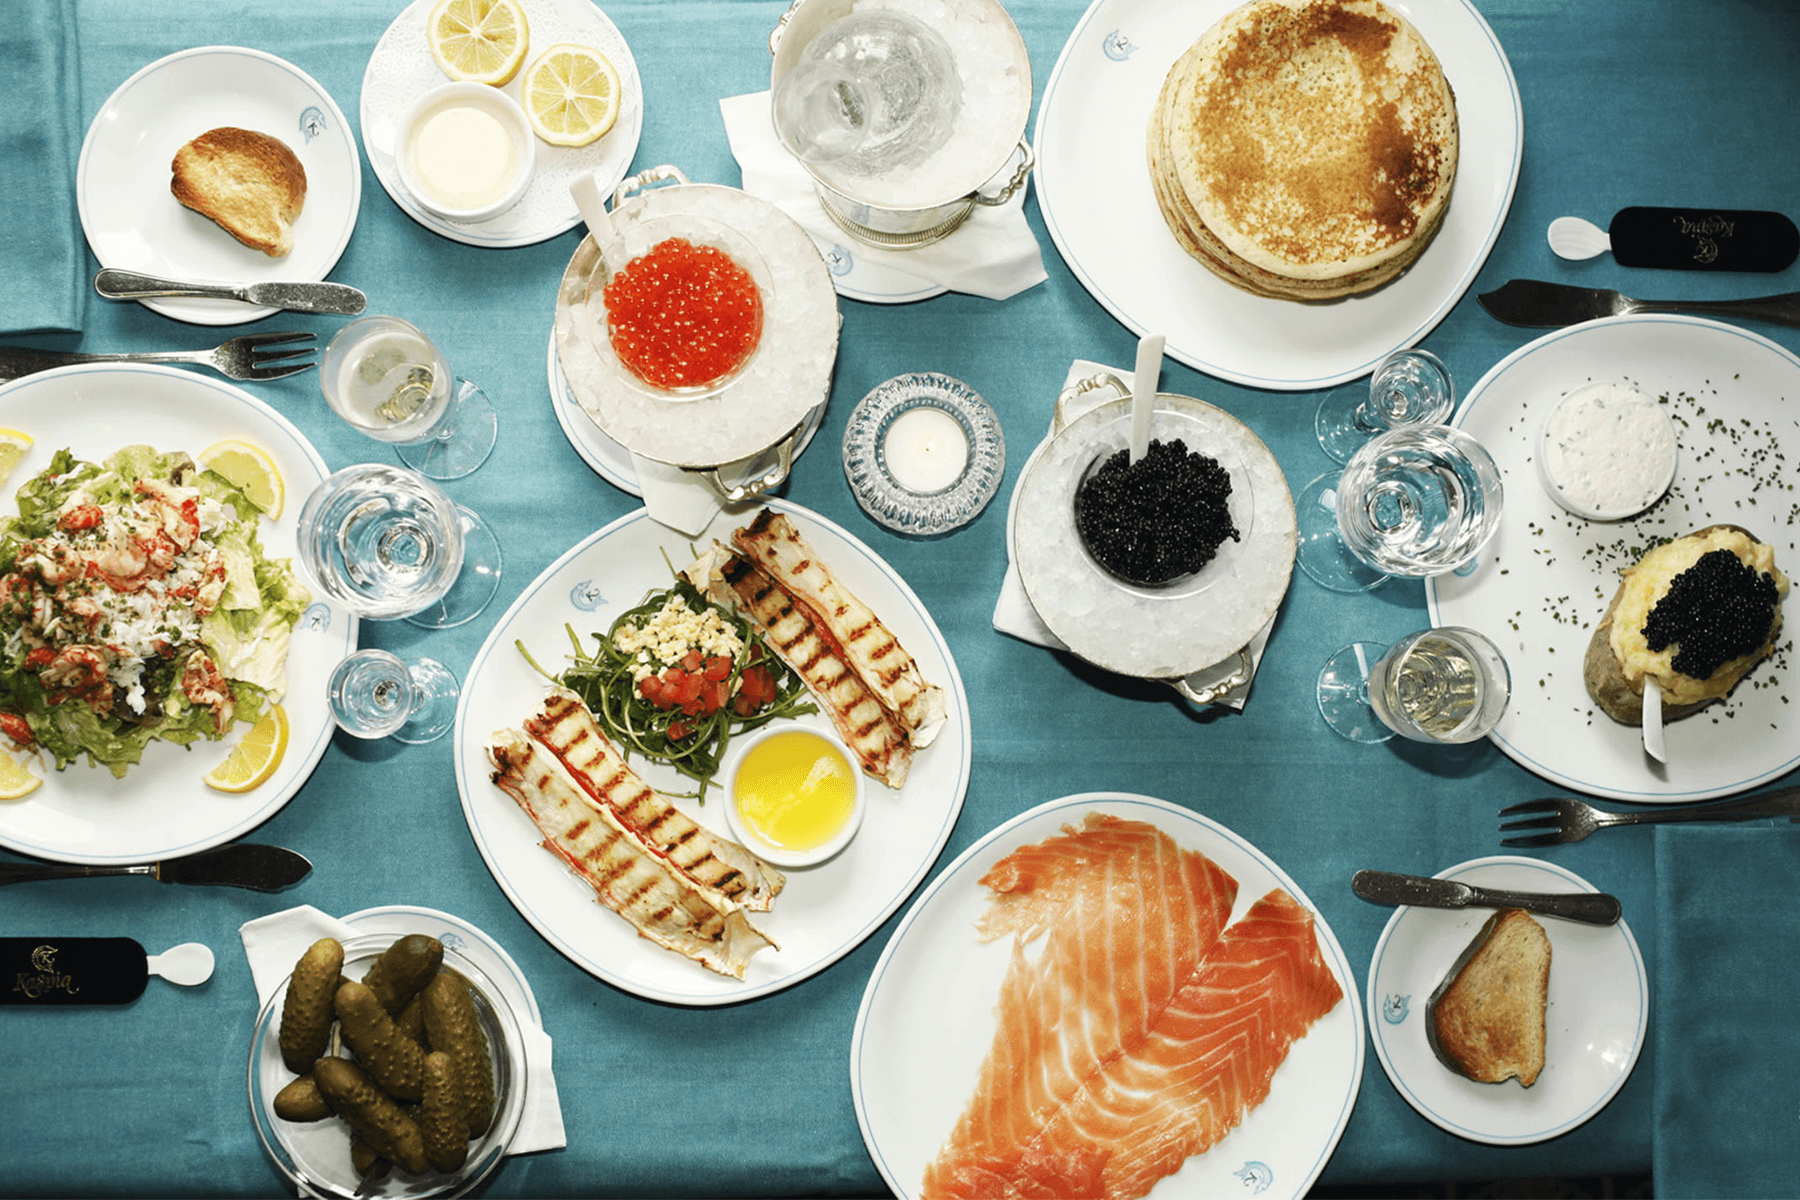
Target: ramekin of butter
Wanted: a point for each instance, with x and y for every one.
(466, 151)
(1607, 452)
(794, 795)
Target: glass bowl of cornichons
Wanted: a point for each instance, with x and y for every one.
(386, 1066)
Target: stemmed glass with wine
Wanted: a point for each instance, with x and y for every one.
(387, 544)
(385, 377)
(1446, 685)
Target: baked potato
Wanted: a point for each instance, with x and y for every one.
(1727, 639)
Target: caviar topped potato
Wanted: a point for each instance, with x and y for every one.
(1696, 614)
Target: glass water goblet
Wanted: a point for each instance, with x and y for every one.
(376, 694)
(1447, 685)
(385, 377)
(1415, 501)
(1408, 387)
(388, 543)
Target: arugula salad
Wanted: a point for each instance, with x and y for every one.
(136, 604)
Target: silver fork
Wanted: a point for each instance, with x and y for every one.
(1571, 820)
(248, 357)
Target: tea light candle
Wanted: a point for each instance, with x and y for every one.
(926, 449)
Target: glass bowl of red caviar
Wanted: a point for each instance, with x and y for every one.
(682, 300)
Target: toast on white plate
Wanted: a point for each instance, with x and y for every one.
(252, 185)
(1487, 1019)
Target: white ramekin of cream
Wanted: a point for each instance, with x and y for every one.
(1607, 451)
(466, 151)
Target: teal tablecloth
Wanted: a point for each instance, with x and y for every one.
(1653, 101)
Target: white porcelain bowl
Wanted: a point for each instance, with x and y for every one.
(747, 832)
(430, 177)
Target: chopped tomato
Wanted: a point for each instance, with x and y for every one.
(679, 729)
(691, 661)
(717, 667)
(756, 687)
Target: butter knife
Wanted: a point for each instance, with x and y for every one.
(115, 284)
(1382, 887)
(239, 864)
(1535, 303)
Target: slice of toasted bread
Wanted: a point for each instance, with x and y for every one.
(251, 184)
(1487, 1020)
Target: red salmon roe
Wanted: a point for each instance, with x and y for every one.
(683, 316)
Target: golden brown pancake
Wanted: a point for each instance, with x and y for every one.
(1305, 149)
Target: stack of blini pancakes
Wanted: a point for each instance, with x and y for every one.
(1305, 149)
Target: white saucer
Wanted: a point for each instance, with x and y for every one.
(1598, 1012)
(401, 69)
(122, 180)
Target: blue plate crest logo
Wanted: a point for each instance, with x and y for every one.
(316, 618)
(1393, 1008)
(839, 261)
(1255, 1176)
(587, 596)
(312, 121)
(1117, 46)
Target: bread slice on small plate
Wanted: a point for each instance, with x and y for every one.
(1486, 1020)
(252, 185)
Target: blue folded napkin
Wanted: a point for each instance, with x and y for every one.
(43, 267)
(1724, 1013)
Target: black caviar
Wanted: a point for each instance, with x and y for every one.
(1159, 518)
(1719, 609)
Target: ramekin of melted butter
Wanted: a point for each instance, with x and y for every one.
(466, 152)
(794, 796)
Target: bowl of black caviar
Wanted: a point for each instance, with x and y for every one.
(1162, 567)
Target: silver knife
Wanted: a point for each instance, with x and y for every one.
(115, 284)
(1535, 303)
(1382, 887)
(239, 864)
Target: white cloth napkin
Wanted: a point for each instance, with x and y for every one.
(675, 497)
(1015, 616)
(273, 944)
(993, 254)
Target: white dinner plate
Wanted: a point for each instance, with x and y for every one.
(611, 461)
(122, 179)
(927, 1018)
(1546, 578)
(825, 911)
(402, 69)
(162, 808)
(1094, 190)
(469, 941)
(1596, 1018)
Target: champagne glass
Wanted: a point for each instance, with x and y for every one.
(1446, 685)
(1408, 387)
(1415, 501)
(388, 543)
(376, 694)
(384, 376)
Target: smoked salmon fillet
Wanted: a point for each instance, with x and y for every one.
(1183, 1071)
(1125, 915)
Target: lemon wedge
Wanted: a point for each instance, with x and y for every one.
(250, 469)
(16, 778)
(13, 448)
(571, 94)
(256, 755)
(478, 41)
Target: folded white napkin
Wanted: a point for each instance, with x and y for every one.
(993, 254)
(273, 944)
(1015, 616)
(675, 497)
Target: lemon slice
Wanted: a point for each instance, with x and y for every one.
(13, 447)
(255, 757)
(251, 469)
(16, 778)
(479, 41)
(571, 94)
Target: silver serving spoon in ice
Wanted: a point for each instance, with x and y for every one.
(1143, 392)
(187, 964)
(1573, 237)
